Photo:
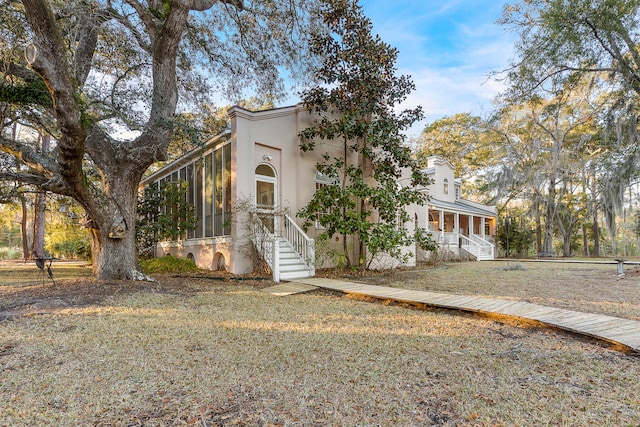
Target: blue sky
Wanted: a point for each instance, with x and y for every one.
(449, 48)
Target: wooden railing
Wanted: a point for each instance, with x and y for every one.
(267, 245)
(301, 243)
(481, 246)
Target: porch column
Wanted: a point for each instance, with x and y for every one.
(472, 225)
(482, 225)
(456, 225)
(441, 222)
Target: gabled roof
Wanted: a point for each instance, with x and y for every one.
(462, 206)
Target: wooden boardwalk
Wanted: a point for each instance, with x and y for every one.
(624, 332)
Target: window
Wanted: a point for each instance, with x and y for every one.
(266, 195)
(265, 187)
(323, 180)
(209, 192)
(208, 195)
(445, 187)
(199, 192)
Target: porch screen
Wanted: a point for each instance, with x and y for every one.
(209, 192)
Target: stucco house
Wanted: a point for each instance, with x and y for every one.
(248, 182)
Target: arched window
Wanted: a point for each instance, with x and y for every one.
(266, 195)
(445, 187)
(265, 187)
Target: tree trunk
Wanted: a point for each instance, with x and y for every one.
(40, 210)
(538, 232)
(585, 240)
(113, 234)
(23, 228)
(596, 234)
(566, 243)
(39, 214)
(549, 219)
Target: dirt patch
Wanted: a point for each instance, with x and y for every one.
(50, 297)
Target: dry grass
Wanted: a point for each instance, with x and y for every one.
(229, 354)
(594, 288)
(20, 273)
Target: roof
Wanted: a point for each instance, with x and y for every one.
(186, 158)
(462, 207)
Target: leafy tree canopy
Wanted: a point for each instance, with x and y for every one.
(466, 141)
(356, 106)
(114, 68)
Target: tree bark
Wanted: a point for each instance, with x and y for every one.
(585, 240)
(23, 228)
(40, 210)
(39, 213)
(549, 220)
(596, 234)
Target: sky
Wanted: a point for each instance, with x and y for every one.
(449, 48)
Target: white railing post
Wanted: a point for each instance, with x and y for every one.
(275, 268)
(302, 244)
(312, 257)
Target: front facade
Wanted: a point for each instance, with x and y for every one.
(257, 170)
(456, 223)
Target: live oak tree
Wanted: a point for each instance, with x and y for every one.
(547, 142)
(585, 37)
(90, 70)
(574, 36)
(464, 140)
(355, 107)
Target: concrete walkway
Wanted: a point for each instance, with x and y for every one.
(615, 330)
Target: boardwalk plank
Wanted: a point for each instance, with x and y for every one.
(608, 328)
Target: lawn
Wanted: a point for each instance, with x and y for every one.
(204, 351)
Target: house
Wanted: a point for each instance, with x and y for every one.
(248, 182)
(456, 223)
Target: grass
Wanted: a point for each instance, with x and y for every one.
(21, 273)
(230, 354)
(592, 288)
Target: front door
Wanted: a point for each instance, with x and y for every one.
(266, 191)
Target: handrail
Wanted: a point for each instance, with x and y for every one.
(267, 245)
(477, 239)
(484, 247)
(301, 243)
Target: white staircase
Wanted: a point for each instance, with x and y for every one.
(290, 256)
(291, 264)
(481, 249)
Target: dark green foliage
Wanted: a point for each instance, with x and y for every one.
(515, 236)
(425, 241)
(164, 214)
(168, 264)
(356, 106)
(34, 92)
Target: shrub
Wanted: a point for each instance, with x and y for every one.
(10, 253)
(168, 264)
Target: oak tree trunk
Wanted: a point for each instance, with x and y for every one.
(112, 229)
(39, 213)
(23, 228)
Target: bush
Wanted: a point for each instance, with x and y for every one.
(168, 264)
(67, 240)
(10, 253)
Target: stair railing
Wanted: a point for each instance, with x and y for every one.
(484, 246)
(301, 243)
(267, 245)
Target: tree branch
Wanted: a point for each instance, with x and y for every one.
(29, 156)
(47, 56)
